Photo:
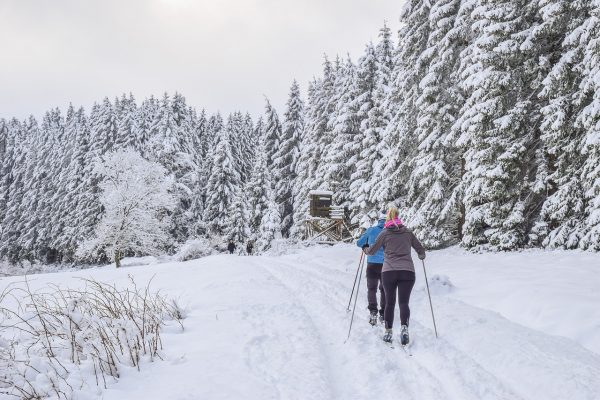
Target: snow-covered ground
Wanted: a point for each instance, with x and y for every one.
(512, 326)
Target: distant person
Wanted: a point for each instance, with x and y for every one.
(374, 266)
(231, 247)
(249, 247)
(398, 273)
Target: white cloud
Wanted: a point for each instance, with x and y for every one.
(222, 55)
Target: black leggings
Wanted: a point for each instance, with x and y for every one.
(403, 281)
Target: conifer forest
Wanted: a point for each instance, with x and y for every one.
(479, 119)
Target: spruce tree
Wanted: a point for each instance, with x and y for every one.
(561, 28)
(221, 186)
(433, 212)
(589, 119)
(497, 126)
(286, 157)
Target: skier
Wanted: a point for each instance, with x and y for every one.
(398, 273)
(374, 266)
(231, 247)
(249, 247)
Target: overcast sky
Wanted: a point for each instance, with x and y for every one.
(222, 55)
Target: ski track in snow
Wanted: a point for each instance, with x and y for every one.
(432, 378)
(275, 328)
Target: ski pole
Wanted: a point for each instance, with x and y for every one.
(357, 269)
(355, 299)
(429, 294)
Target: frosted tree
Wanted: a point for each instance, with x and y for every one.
(497, 128)
(14, 190)
(272, 133)
(257, 188)
(391, 170)
(370, 130)
(126, 114)
(240, 130)
(45, 184)
(317, 124)
(171, 146)
(561, 217)
(104, 125)
(589, 119)
(286, 156)
(342, 154)
(433, 211)
(79, 188)
(306, 166)
(221, 187)
(142, 123)
(136, 197)
(270, 224)
(238, 221)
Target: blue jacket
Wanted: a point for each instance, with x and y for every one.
(369, 238)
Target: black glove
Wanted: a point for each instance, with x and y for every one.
(366, 246)
(422, 256)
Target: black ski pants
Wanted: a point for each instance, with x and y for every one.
(403, 282)
(374, 283)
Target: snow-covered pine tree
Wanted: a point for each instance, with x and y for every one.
(433, 212)
(391, 171)
(256, 189)
(136, 197)
(142, 123)
(13, 192)
(317, 123)
(560, 30)
(199, 140)
(62, 195)
(589, 119)
(497, 127)
(104, 125)
(221, 187)
(242, 152)
(248, 145)
(126, 117)
(380, 115)
(45, 185)
(272, 132)
(270, 224)
(286, 157)
(343, 152)
(78, 188)
(238, 221)
(306, 166)
(171, 146)
(371, 123)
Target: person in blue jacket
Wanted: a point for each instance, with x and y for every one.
(374, 265)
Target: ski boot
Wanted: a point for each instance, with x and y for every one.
(387, 336)
(381, 320)
(373, 318)
(404, 335)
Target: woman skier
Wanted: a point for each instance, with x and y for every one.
(398, 273)
(374, 266)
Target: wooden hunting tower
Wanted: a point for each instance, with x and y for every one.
(326, 223)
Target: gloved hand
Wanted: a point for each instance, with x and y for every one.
(366, 246)
(422, 256)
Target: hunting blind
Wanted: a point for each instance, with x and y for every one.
(327, 223)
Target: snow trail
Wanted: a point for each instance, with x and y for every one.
(274, 328)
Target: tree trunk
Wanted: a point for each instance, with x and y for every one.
(118, 258)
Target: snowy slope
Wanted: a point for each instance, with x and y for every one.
(274, 328)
